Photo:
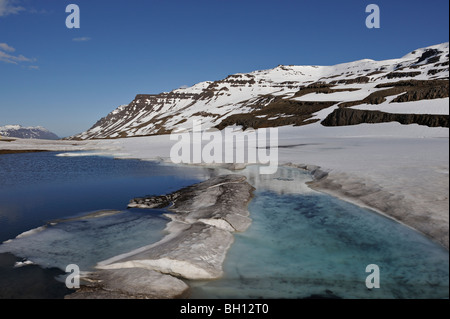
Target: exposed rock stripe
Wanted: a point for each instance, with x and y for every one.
(347, 116)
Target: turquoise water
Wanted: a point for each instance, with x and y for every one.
(303, 243)
(86, 241)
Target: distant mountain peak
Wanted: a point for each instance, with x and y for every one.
(34, 132)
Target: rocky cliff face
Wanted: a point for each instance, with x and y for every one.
(343, 116)
(285, 95)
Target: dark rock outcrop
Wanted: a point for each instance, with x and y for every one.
(348, 116)
(413, 90)
(428, 54)
(360, 79)
(394, 75)
(279, 112)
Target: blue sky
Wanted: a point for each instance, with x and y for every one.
(67, 79)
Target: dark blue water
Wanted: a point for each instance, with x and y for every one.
(39, 187)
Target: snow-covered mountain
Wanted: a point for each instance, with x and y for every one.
(411, 89)
(18, 131)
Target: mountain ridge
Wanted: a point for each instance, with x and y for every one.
(284, 95)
